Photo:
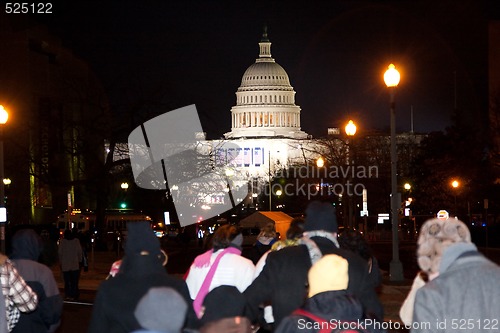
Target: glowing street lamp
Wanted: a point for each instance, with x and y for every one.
(4, 116)
(350, 130)
(392, 78)
(320, 162)
(455, 184)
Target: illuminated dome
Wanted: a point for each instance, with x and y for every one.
(265, 100)
(265, 73)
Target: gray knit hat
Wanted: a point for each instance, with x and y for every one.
(435, 236)
(162, 309)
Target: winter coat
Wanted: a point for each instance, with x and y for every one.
(26, 249)
(70, 254)
(465, 297)
(331, 306)
(233, 270)
(283, 281)
(116, 299)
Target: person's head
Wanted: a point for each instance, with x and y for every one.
(354, 241)
(141, 239)
(226, 236)
(68, 234)
(296, 228)
(320, 216)
(268, 231)
(162, 309)
(26, 244)
(222, 302)
(330, 273)
(435, 237)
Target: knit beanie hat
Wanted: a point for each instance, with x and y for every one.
(435, 236)
(223, 302)
(328, 274)
(141, 238)
(320, 216)
(158, 301)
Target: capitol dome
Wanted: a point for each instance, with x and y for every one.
(267, 73)
(265, 101)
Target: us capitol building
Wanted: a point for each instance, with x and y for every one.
(265, 122)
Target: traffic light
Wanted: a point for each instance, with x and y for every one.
(123, 205)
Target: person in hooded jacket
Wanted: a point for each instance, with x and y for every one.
(223, 311)
(329, 303)
(141, 269)
(26, 250)
(283, 280)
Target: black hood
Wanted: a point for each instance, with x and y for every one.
(335, 304)
(26, 244)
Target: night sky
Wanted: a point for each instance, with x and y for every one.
(335, 53)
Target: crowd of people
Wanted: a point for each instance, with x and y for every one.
(32, 302)
(312, 280)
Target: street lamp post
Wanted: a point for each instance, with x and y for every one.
(350, 130)
(391, 78)
(4, 116)
(455, 184)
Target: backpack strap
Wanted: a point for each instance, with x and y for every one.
(326, 326)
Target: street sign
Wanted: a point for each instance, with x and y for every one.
(382, 217)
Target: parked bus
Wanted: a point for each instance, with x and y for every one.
(81, 221)
(117, 221)
(114, 221)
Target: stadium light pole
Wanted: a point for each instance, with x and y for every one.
(391, 78)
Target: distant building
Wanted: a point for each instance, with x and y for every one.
(52, 136)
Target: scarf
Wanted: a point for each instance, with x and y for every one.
(203, 260)
(314, 251)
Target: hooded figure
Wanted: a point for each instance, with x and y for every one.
(141, 269)
(329, 302)
(223, 310)
(284, 276)
(26, 249)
